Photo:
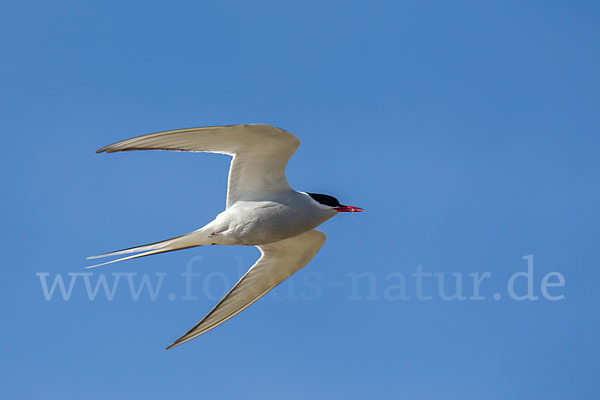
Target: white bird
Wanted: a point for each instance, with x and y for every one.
(262, 210)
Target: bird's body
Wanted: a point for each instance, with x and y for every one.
(262, 210)
(265, 221)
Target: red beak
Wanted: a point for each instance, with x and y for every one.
(348, 209)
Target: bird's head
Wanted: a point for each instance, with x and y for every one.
(333, 203)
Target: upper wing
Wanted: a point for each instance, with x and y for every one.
(279, 261)
(260, 154)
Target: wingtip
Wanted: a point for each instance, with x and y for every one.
(180, 341)
(175, 343)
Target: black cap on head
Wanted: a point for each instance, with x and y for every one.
(325, 199)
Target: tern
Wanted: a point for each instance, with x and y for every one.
(262, 210)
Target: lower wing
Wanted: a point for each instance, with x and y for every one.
(279, 261)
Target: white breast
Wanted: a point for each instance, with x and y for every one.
(268, 221)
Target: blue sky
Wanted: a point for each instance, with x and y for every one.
(469, 131)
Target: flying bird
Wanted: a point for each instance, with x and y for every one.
(262, 210)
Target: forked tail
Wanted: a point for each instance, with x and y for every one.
(193, 239)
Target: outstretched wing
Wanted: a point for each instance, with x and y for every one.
(279, 261)
(260, 154)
